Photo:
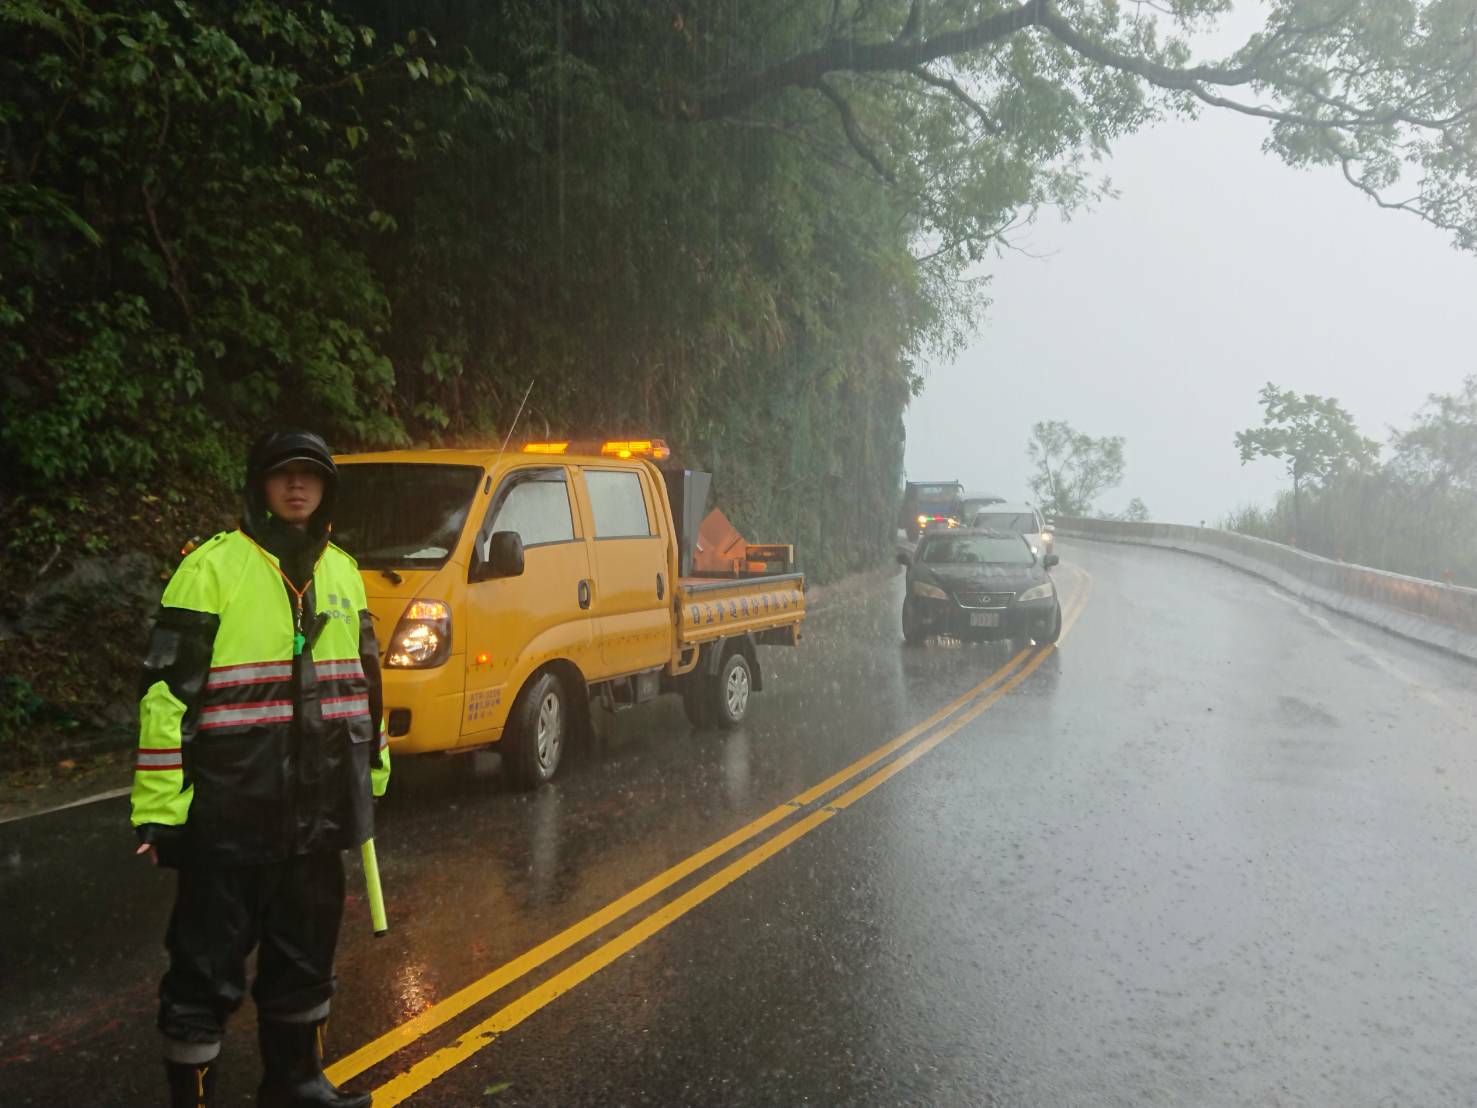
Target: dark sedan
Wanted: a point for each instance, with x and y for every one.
(979, 584)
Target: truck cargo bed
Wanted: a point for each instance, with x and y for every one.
(716, 608)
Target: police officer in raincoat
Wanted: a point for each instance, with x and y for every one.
(260, 746)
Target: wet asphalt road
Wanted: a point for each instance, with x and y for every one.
(1218, 848)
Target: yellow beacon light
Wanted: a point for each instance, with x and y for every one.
(655, 449)
(636, 448)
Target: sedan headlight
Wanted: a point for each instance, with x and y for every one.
(423, 636)
(1037, 592)
(933, 592)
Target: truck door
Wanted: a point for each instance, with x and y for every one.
(516, 624)
(633, 597)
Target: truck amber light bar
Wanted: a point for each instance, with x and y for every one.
(637, 448)
(626, 448)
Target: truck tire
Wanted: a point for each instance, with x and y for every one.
(697, 699)
(733, 687)
(538, 730)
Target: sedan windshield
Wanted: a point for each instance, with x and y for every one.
(1022, 523)
(957, 550)
(402, 514)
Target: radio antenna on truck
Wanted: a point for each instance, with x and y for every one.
(516, 416)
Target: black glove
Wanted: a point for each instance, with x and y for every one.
(169, 842)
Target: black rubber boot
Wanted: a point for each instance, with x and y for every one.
(190, 1086)
(292, 1056)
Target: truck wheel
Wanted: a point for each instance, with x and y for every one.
(731, 690)
(697, 699)
(913, 632)
(539, 728)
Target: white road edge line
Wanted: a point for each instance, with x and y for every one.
(1426, 692)
(109, 795)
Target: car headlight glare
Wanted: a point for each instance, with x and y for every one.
(1036, 592)
(423, 636)
(933, 592)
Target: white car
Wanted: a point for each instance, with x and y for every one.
(1024, 520)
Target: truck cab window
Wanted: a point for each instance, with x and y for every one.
(618, 503)
(536, 505)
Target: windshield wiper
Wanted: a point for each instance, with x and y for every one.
(394, 577)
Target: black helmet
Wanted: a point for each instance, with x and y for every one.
(277, 448)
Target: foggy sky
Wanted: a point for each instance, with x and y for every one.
(1159, 315)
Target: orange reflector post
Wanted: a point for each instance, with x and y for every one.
(545, 447)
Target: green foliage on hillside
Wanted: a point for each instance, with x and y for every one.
(217, 216)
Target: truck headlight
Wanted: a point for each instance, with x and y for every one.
(933, 592)
(1037, 592)
(422, 638)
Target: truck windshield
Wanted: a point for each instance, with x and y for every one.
(402, 514)
(934, 494)
(957, 550)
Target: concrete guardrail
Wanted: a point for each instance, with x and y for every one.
(1427, 611)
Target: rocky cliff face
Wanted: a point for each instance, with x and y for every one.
(69, 646)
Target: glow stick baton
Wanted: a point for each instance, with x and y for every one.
(376, 893)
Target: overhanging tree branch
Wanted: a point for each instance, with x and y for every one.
(953, 89)
(853, 131)
(913, 25)
(1195, 79)
(842, 56)
(1346, 162)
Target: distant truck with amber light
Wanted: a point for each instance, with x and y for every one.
(512, 590)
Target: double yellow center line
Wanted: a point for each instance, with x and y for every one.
(965, 708)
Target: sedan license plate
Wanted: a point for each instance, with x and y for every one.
(984, 619)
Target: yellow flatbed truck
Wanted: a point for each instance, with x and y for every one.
(510, 589)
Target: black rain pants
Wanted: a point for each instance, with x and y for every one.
(290, 911)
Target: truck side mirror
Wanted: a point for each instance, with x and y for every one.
(1051, 560)
(903, 559)
(503, 556)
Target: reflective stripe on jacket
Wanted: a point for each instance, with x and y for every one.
(257, 754)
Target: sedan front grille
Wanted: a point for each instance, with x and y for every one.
(974, 598)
